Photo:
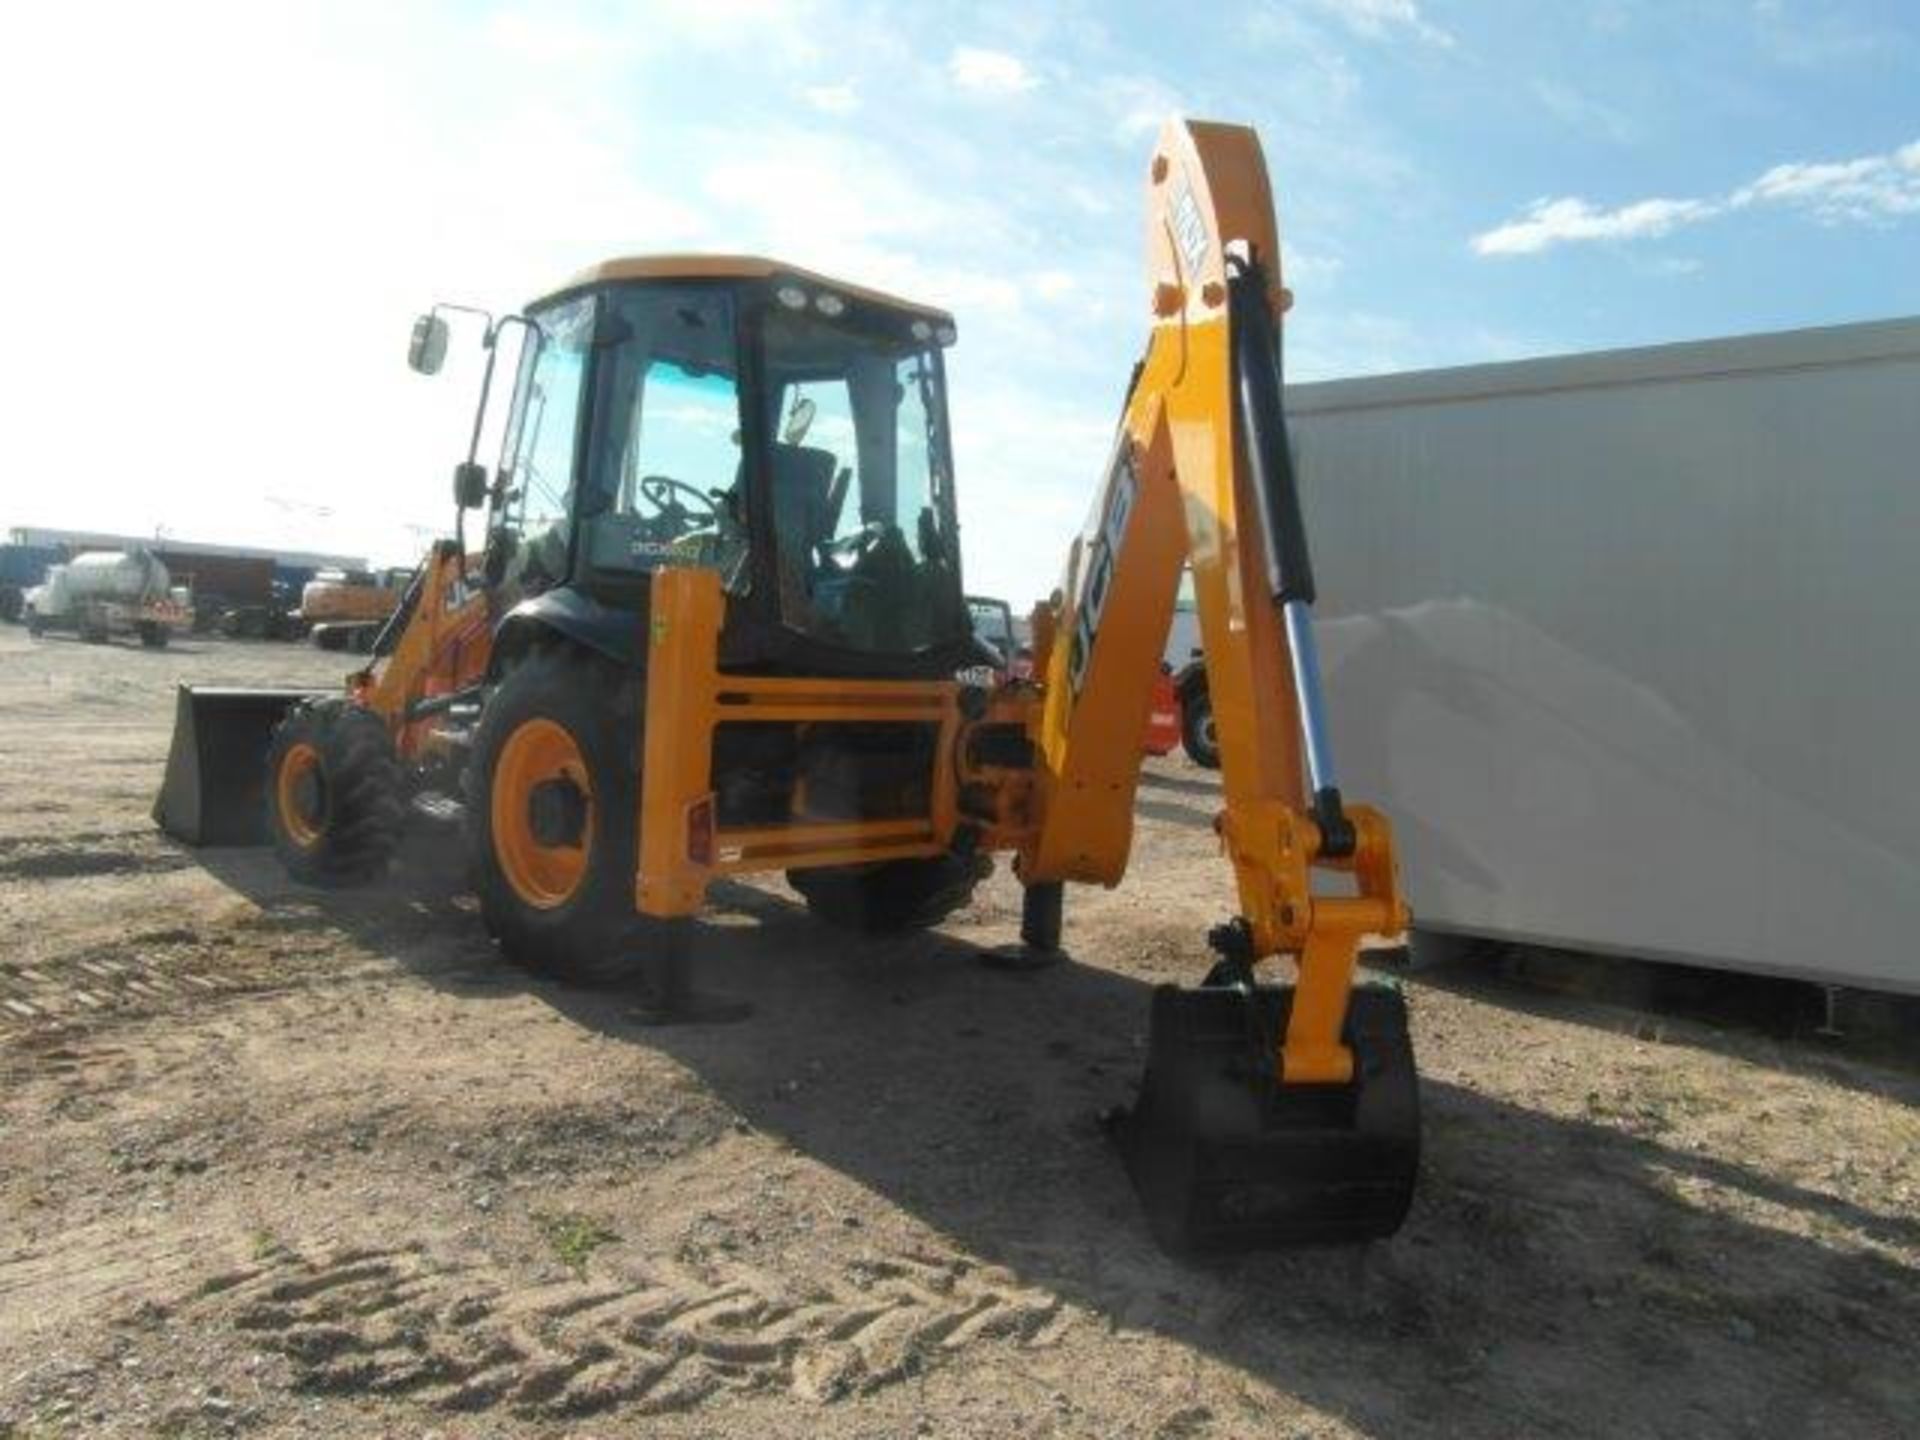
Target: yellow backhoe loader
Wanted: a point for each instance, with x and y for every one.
(716, 628)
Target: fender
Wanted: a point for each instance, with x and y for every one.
(617, 633)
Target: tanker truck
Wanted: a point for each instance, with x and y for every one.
(104, 593)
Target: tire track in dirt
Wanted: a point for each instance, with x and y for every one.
(160, 970)
(464, 1337)
(80, 853)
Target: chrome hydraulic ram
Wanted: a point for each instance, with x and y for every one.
(1262, 423)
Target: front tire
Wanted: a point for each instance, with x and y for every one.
(893, 896)
(552, 792)
(333, 794)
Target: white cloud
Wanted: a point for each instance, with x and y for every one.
(989, 72)
(1558, 222)
(1052, 284)
(1872, 188)
(1386, 20)
(832, 99)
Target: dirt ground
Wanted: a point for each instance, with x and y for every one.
(280, 1162)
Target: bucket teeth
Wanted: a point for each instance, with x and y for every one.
(214, 790)
(1226, 1158)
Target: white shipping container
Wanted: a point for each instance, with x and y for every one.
(1628, 644)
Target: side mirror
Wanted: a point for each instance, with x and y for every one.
(469, 485)
(799, 421)
(427, 350)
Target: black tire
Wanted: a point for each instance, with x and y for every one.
(894, 896)
(340, 824)
(153, 634)
(579, 937)
(11, 604)
(1197, 734)
(36, 627)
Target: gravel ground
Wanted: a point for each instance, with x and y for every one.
(281, 1162)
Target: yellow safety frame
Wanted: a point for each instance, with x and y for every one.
(688, 697)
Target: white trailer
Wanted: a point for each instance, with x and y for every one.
(1628, 644)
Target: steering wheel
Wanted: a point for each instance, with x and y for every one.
(674, 519)
(856, 545)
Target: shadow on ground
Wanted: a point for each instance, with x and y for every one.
(1556, 1275)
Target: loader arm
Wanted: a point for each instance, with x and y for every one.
(1201, 474)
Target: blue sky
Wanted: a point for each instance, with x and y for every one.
(242, 206)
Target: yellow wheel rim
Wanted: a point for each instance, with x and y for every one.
(299, 796)
(545, 876)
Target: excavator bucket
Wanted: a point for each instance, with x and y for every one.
(214, 792)
(1226, 1158)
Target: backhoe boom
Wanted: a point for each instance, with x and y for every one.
(1201, 474)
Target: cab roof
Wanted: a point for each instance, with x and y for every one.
(733, 267)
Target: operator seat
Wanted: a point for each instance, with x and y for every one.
(801, 478)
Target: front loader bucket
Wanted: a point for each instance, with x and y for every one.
(1225, 1158)
(214, 792)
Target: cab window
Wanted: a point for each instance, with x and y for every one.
(665, 473)
(865, 557)
(542, 432)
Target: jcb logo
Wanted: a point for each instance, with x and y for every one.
(1189, 230)
(1096, 582)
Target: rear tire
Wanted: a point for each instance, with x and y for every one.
(893, 896)
(552, 795)
(334, 806)
(1197, 735)
(153, 635)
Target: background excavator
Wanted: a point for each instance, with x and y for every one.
(716, 626)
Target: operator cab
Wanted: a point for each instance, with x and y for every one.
(785, 430)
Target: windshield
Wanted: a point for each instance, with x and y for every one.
(664, 460)
(859, 475)
(539, 443)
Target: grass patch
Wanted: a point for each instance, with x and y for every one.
(572, 1237)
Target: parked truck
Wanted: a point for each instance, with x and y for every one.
(21, 568)
(345, 609)
(104, 593)
(1624, 641)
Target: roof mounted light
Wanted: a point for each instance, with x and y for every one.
(791, 296)
(922, 330)
(829, 305)
(946, 334)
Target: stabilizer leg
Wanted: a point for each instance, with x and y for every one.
(1041, 909)
(671, 998)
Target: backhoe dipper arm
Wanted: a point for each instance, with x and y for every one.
(1201, 472)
